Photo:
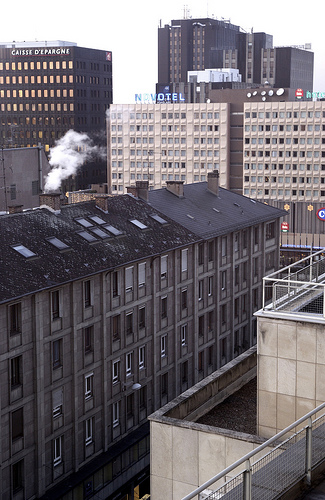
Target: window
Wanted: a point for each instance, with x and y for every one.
(142, 317)
(223, 314)
(210, 286)
(57, 451)
(87, 293)
(143, 397)
(57, 353)
(115, 284)
(17, 424)
(17, 476)
(15, 318)
(129, 323)
(223, 280)
(88, 339)
(116, 414)
(164, 307)
(224, 246)
(210, 321)
(201, 287)
(184, 372)
(270, 230)
(211, 251)
(184, 335)
(16, 371)
(163, 267)
(130, 405)
(128, 364)
(89, 431)
(163, 346)
(89, 380)
(55, 298)
(129, 279)
(142, 274)
(200, 361)
(142, 355)
(116, 371)
(184, 259)
(116, 326)
(201, 326)
(201, 254)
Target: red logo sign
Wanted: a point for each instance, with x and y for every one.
(299, 94)
(108, 56)
(284, 227)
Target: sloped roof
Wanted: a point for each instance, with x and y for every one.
(208, 215)
(51, 266)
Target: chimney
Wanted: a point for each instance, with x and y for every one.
(52, 200)
(213, 182)
(140, 190)
(176, 187)
(15, 209)
(102, 203)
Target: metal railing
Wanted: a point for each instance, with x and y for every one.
(298, 288)
(278, 470)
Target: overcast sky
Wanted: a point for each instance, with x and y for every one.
(129, 30)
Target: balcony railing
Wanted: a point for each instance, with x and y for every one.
(278, 470)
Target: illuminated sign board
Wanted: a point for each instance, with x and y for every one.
(46, 51)
(161, 97)
(321, 214)
(309, 95)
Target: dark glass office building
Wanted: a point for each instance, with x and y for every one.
(48, 88)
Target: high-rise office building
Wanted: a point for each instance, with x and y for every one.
(198, 44)
(47, 88)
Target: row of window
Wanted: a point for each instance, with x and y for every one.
(308, 193)
(284, 114)
(287, 128)
(281, 140)
(287, 180)
(286, 166)
(284, 154)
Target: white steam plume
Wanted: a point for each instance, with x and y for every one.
(68, 154)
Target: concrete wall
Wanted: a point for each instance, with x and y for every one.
(291, 371)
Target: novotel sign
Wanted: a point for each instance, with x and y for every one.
(161, 97)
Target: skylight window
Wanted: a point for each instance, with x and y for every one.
(100, 233)
(97, 219)
(57, 243)
(25, 252)
(113, 230)
(87, 236)
(139, 224)
(159, 219)
(84, 222)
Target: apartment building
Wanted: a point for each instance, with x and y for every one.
(123, 308)
(284, 151)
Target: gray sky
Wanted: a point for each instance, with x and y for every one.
(129, 30)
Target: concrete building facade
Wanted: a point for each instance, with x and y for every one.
(123, 308)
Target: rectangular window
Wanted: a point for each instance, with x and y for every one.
(115, 284)
(57, 402)
(201, 254)
(57, 451)
(184, 335)
(129, 279)
(130, 405)
(142, 317)
(116, 326)
(270, 230)
(210, 286)
(87, 293)
(224, 246)
(17, 424)
(184, 298)
(89, 382)
(142, 356)
(89, 431)
(15, 319)
(201, 326)
(16, 371)
(163, 346)
(129, 323)
(128, 364)
(210, 321)
(164, 384)
(55, 299)
(163, 267)
(57, 353)
(184, 372)
(223, 280)
(143, 397)
(116, 414)
(164, 307)
(142, 274)
(211, 251)
(116, 371)
(17, 476)
(184, 259)
(88, 338)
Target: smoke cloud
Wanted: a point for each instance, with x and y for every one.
(66, 157)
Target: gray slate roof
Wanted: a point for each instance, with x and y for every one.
(208, 215)
(50, 267)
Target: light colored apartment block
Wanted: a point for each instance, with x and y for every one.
(284, 150)
(167, 142)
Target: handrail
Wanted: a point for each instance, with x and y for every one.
(249, 455)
